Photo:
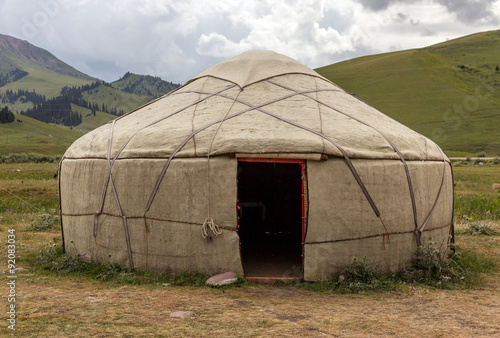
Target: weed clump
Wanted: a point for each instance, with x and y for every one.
(45, 222)
(445, 268)
(436, 265)
(358, 276)
(474, 228)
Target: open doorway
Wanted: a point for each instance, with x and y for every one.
(270, 211)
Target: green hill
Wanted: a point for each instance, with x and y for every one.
(45, 73)
(449, 92)
(32, 136)
(25, 68)
(114, 98)
(144, 85)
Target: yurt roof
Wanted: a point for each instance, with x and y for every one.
(259, 102)
(255, 66)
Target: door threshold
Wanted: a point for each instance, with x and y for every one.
(271, 279)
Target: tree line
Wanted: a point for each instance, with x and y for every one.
(56, 110)
(12, 76)
(25, 96)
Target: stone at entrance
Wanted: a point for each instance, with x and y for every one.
(223, 279)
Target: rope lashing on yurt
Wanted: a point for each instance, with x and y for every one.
(188, 138)
(120, 211)
(209, 222)
(259, 108)
(130, 139)
(349, 163)
(110, 166)
(418, 231)
(344, 154)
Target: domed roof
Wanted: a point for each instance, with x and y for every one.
(254, 103)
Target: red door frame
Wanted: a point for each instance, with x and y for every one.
(302, 164)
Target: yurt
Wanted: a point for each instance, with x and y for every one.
(259, 166)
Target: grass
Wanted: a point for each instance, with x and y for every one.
(60, 295)
(475, 197)
(32, 136)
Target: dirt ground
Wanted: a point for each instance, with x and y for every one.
(61, 306)
(83, 308)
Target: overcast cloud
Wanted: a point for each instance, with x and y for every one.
(176, 40)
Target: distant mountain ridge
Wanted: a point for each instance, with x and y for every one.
(12, 48)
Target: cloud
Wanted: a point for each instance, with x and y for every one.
(177, 39)
(376, 5)
(467, 11)
(288, 27)
(472, 11)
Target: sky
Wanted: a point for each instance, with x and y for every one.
(176, 40)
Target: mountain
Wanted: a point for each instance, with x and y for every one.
(448, 92)
(144, 85)
(16, 53)
(36, 84)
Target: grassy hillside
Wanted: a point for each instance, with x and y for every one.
(90, 121)
(448, 92)
(32, 136)
(44, 81)
(114, 98)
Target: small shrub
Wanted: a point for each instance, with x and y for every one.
(435, 264)
(45, 222)
(358, 271)
(496, 160)
(53, 259)
(358, 276)
(481, 154)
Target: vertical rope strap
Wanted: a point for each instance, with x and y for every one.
(209, 222)
(109, 181)
(386, 232)
(418, 232)
(101, 208)
(147, 241)
(60, 205)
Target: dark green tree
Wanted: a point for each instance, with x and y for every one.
(6, 116)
